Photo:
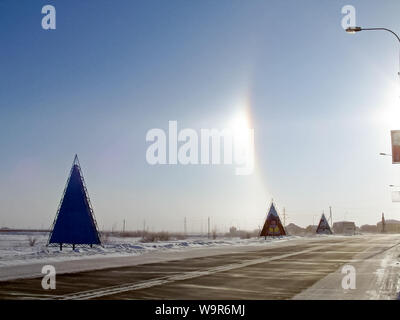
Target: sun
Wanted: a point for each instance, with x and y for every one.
(386, 113)
(390, 113)
(240, 122)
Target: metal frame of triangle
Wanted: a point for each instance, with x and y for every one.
(77, 164)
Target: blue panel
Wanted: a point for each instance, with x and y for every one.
(75, 224)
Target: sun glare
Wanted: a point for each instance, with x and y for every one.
(389, 115)
(240, 122)
(241, 129)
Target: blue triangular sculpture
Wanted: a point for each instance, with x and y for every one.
(75, 223)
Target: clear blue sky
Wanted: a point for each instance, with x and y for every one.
(323, 103)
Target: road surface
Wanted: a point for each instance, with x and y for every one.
(306, 269)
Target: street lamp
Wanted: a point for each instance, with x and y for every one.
(353, 29)
(385, 154)
(358, 29)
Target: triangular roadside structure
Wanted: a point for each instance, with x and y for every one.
(323, 226)
(75, 223)
(273, 226)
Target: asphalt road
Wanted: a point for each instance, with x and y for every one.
(290, 270)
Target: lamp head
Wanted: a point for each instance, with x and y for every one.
(353, 29)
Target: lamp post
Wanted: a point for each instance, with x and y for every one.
(358, 29)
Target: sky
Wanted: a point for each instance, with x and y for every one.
(321, 102)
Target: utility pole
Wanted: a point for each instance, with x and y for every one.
(330, 215)
(123, 228)
(184, 226)
(284, 217)
(383, 223)
(208, 232)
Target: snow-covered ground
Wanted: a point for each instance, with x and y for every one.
(17, 248)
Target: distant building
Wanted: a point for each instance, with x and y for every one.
(311, 229)
(233, 230)
(391, 226)
(369, 228)
(295, 230)
(344, 227)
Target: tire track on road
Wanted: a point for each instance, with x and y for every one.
(98, 293)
